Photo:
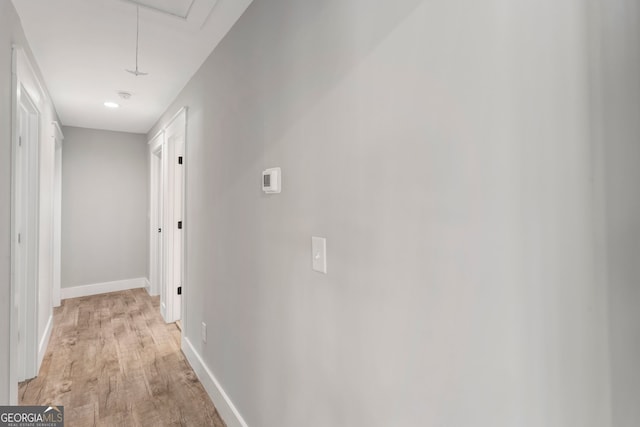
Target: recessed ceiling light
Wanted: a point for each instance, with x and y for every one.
(110, 104)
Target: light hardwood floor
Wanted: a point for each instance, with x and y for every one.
(112, 361)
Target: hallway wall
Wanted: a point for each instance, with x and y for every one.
(104, 207)
(443, 149)
(11, 33)
(619, 97)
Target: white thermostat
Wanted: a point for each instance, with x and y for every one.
(271, 180)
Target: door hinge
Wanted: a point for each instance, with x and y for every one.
(20, 141)
(179, 160)
(179, 290)
(179, 225)
(19, 238)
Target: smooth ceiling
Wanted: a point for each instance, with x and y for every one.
(84, 46)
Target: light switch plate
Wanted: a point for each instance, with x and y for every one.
(319, 254)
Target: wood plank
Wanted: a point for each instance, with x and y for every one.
(112, 361)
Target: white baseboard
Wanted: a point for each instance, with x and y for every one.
(152, 292)
(103, 288)
(221, 400)
(44, 341)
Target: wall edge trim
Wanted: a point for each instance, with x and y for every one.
(221, 400)
(44, 340)
(102, 288)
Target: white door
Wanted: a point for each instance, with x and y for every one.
(166, 243)
(21, 248)
(26, 236)
(172, 208)
(173, 226)
(178, 242)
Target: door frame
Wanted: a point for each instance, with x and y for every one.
(27, 95)
(156, 170)
(175, 134)
(57, 216)
(171, 140)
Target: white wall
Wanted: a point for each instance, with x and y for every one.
(104, 206)
(11, 33)
(443, 149)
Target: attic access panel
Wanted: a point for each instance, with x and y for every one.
(177, 8)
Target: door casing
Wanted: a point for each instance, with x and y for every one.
(167, 211)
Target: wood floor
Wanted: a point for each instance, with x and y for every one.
(112, 361)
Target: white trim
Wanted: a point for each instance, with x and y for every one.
(28, 101)
(31, 229)
(56, 218)
(29, 78)
(156, 147)
(171, 141)
(156, 142)
(185, 280)
(166, 207)
(103, 288)
(175, 116)
(227, 410)
(57, 133)
(44, 341)
(176, 139)
(12, 385)
(150, 142)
